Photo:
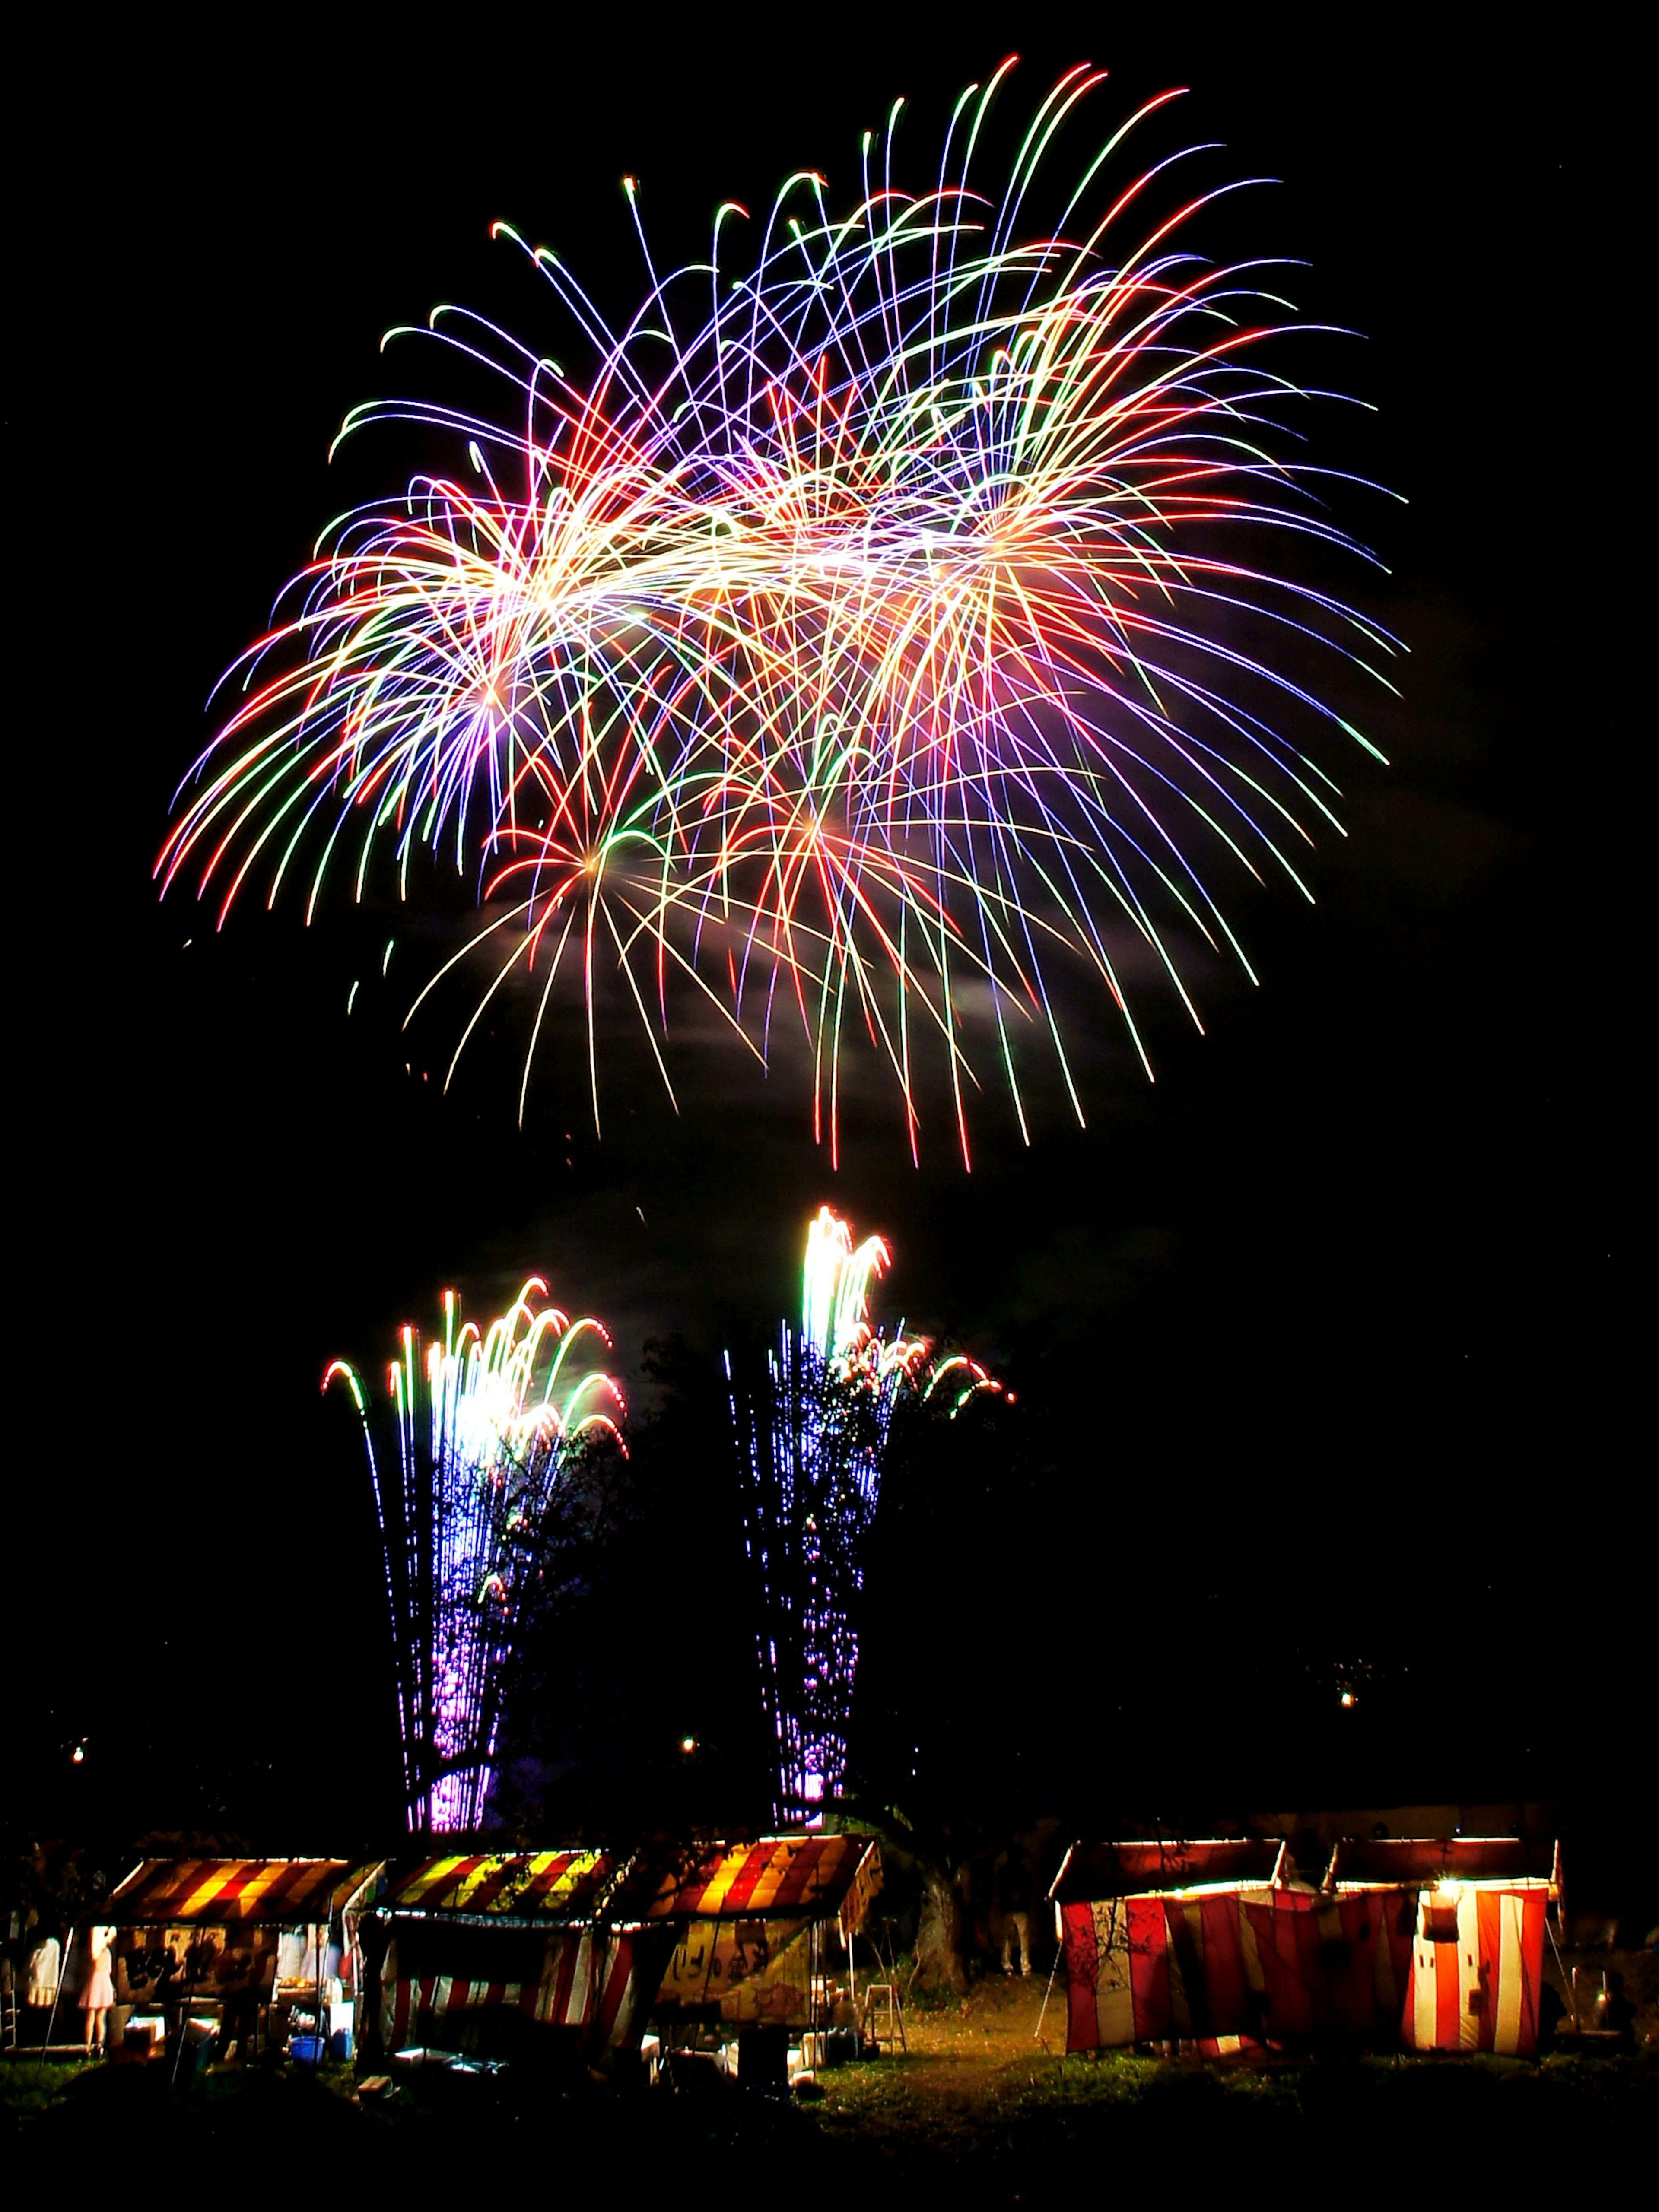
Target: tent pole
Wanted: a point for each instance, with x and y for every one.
(1569, 1988)
(1037, 2032)
(56, 1999)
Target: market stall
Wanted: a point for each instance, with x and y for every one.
(1465, 1921)
(763, 1937)
(1160, 1940)
(1424, 1944)
(469, 1951)
(259, 1949)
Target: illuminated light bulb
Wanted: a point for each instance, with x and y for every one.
(688, 1743)
(79, 1754)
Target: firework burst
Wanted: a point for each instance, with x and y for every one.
(882, 627)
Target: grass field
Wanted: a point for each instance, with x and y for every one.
(978, 2111)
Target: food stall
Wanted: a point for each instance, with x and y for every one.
(1421, 1944)
(1467, 1914)
(260, 1950)
(759, 1933)
(1159, 1940)
(506, 1956)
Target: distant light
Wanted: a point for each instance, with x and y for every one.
(688, 1743)
(1348, 1697)
(78, 1753)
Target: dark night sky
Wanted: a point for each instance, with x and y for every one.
(1327, 1332)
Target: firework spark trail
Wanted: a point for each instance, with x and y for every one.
(811, 1442)
(866, 625)
(488, 1428)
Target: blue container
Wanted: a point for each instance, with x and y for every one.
(339, 2044)
(305, 2049)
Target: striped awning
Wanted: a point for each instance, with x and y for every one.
(218, 1892)
(546, 1886)
(793, 1874)
(1145, 1868)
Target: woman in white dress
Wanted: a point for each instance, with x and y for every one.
(98, 1992)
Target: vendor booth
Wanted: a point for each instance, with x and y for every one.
(1424, 1945)
(469, 1951)
(1157, 1942)
(258, 1948)
(761, 1946)
(1464, 1922)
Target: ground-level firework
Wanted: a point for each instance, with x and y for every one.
(811, 1439)
(881, 625)
(490, 1430)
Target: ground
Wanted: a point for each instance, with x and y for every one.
(980, 2106)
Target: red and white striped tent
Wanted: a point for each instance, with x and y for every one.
(1157, 1944)
(1466, 1916)
(531, 1932)
(1430, 1945)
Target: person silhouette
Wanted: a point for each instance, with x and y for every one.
(1014, 1889)
(98, 1992)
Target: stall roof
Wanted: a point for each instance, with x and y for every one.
(274, 1892)
(1363, 1860)
(1130, 1869)
(779, 1873)
(567, 1885)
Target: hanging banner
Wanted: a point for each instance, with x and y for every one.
(757, 1971)
(861, 1893)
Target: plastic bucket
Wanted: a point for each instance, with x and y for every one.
(305, 2049)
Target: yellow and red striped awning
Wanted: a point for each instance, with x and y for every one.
(523, 1885)
(780, 1875)
(270, 1892)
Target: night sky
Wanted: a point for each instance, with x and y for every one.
(1323, 1344)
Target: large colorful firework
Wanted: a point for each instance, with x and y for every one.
(810, 1441)
(871, 635)
(490, 1429)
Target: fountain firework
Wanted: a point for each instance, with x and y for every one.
(811, 1441)
(490, 1428)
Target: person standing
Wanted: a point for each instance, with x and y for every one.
(40, 1978)
(98, 1993)
(1013, 1884)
